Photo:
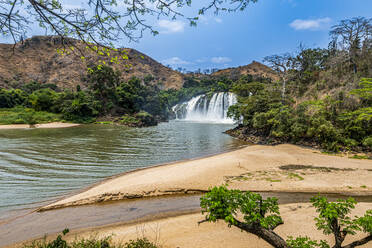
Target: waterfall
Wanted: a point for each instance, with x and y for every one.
(202, 109)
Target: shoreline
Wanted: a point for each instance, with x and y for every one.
(254, 168)
(43, 125)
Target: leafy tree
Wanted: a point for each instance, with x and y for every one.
(99, 22)
(311, 59)
(102, 81)
(130, 95)
(365, 91)
(43, 100)
(81, 107)
(251, 213)
(12, 98)
(260, 216)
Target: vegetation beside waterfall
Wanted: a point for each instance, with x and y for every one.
(107, 99)
(323, 98)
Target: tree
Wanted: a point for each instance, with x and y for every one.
(281, 64)
(260, 217)
(309, 59)
(43, 99)
(352, 35)
(102, 81)
(97, 21)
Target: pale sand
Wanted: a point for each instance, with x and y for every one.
(46, 125)
(183, 231)
(254, 168)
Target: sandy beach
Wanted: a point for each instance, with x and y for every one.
(282, 168)
(184, 231)
(45, 125)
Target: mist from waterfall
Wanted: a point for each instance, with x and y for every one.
(204, 109)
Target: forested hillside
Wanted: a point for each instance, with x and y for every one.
(323, 97)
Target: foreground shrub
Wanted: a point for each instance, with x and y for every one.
(140, 243)
(93, 242)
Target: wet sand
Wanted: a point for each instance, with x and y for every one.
(282, 168)
(45, 125)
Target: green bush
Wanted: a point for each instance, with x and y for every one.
(140, 243)
(43, 100)
(368, 142)
(12, 98)
(92, 242)
(81, 108)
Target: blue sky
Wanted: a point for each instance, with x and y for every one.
(265, 28)
(228, 40)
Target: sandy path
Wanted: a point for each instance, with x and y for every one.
(256, 168)
(184, 231)
(46, 125)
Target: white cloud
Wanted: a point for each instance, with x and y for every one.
(201, 60)
(175, 61)
(203, 19)
(311, 24)
(208, 19)
(220, 60)
(218, 20)
(171, 26)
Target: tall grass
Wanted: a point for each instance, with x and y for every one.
(21, 115)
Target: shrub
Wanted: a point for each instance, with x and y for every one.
(12, 98)
(368, 142)
(43, 100)
(140, 243)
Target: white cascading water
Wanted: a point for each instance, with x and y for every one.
(202, 109)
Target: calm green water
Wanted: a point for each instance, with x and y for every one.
(41, 164)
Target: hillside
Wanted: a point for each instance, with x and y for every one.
(255, 69)
(36, 59)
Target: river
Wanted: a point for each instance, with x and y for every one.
(38, 165)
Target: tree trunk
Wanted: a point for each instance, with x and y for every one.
(359, 242)
(268, 235)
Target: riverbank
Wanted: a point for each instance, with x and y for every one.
(281, 168)
(255, 137)
(44, 125)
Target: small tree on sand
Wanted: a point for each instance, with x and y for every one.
(251, 213)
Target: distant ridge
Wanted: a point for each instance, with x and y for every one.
(255, 69)
(36, 59)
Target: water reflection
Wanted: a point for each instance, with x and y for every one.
(40, 164)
